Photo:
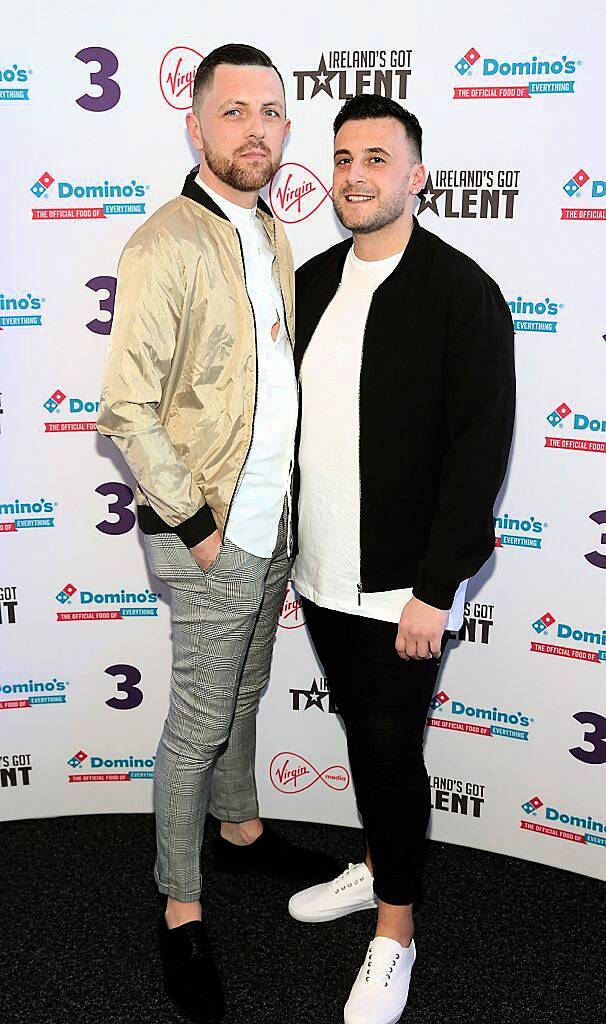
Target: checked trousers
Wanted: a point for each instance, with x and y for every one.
(224, 624)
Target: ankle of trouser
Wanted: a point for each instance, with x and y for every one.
(399, 892)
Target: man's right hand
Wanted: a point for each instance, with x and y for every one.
(207, 550)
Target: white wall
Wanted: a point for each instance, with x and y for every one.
(553, 558)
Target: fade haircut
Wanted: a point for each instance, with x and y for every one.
(362, 108)
(231, 53)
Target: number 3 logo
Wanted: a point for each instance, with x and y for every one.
(110, 90)
(106, 305)
(598, 558)
(129, 686)
(126, 517)
(596, 739)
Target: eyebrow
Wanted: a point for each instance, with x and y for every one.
(245, 103)
(369, 149)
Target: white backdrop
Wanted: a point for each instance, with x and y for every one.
(515, 150)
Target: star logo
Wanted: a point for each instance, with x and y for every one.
(314, 698)
(429, 197)
(321, 79)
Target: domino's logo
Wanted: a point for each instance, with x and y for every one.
(58, 403)
(54, 401)
(42, 185)
(592, 638)
(542, 625)
(14, 80)
(65, 595)
(439, 701)
(21, 309)
(491, 722)
(532, 806)
(515, 77)
(575, 184)
(107, 194)
(585, 423)
(467, 61)
(574, 189)
(77, 759)
(557, 416)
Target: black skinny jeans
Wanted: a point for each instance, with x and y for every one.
(383, 701)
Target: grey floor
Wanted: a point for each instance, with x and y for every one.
(498, 939)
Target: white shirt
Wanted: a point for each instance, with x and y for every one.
(327, 568)
(265, 481)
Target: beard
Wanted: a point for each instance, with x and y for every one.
(244, 176)
(386, 211)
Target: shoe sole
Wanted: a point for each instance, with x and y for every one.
(196, 1018)
(330, 915)
(392, 1020)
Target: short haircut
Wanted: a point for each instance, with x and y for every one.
(361, 108)
(231, 53)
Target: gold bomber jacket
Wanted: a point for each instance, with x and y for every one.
(179, 389)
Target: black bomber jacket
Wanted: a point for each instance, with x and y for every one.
(437, 399)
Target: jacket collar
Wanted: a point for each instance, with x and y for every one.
(191, 190)
(327, 278)
(402, 262)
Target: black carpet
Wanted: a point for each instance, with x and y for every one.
(499, 940)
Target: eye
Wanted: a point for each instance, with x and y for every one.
(228, 113)
(272, 113)
(376, 159)
(343, 160)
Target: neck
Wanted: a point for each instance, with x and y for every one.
(387, 241)
(247, 200)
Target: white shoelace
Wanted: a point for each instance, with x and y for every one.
(380, 968)
(346, 880)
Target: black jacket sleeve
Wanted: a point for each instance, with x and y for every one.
(479, 395)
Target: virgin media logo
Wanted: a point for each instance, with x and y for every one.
(296, 192)
(291, 612)
(177, 74)
(293, 773)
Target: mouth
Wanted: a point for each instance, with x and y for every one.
(358, 197)
(255, 154)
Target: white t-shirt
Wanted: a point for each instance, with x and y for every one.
(327, 568)
(259, 500)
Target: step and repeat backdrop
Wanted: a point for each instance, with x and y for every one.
(93, 106)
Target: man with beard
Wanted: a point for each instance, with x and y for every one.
(404, 349)
(200, 397)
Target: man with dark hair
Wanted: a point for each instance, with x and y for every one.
(200, 397)
(404, 349)
(236, 54)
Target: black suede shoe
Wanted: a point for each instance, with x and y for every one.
(191, 979)
(275, 857)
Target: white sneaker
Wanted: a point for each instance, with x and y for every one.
(351, 891)
(380, 991)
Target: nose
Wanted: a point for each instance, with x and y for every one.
(255, 128)
(356, 173)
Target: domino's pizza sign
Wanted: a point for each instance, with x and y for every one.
(582, 188)
(502, 77)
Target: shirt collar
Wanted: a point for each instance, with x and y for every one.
(239, 215)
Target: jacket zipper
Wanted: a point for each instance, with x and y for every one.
(289, 537)
(252, 431)
(360, 591)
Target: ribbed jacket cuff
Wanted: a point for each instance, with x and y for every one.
(438, 595)
(197, 528)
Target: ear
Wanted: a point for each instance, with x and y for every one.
(418, 178)
(195, 132)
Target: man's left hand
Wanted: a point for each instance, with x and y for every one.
(420, 630)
